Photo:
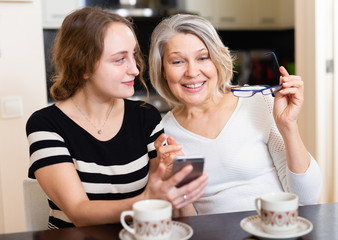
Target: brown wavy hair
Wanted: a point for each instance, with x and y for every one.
(78, 46)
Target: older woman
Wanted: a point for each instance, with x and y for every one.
(251, 145)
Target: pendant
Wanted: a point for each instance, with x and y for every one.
(99, 132)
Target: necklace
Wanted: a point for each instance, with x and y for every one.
(99, 130)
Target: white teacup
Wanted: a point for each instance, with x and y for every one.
(151, 220)
(278, 212)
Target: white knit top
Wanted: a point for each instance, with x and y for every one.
(247, 159)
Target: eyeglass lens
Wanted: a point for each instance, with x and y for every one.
(274, 68)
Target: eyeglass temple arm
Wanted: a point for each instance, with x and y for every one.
(274, 55)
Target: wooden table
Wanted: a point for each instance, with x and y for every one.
(324, 218)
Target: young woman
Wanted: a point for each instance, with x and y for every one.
(93, 152)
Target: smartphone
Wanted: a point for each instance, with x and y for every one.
(196, 161)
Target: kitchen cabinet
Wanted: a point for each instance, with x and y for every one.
(233, 14)
(53, 12)
(200, 7)
(273, 14)
(244, 14)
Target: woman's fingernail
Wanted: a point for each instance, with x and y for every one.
(165, 142)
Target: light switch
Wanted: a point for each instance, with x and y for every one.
(11, 107)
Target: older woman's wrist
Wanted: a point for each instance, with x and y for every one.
(288, 128)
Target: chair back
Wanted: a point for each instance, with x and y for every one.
(36, 206)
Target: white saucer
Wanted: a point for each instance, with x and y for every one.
(252, 225)
(180, 231)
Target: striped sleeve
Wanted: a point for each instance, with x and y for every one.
(46, 147)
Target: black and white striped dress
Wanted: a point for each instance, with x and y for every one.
(109, 170)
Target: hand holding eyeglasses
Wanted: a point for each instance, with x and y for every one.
(288, 97)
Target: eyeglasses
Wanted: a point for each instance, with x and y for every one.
(249, 91)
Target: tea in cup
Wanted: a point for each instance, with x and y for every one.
(278, 212)
(151, 220)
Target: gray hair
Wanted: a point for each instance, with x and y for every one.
(203, 29)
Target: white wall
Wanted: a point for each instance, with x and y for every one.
(314, 46)
(305, 59)
(21, 74)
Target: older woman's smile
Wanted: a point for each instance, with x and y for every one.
(194, 85)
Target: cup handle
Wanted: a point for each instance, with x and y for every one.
(258, 206)
(123, 222)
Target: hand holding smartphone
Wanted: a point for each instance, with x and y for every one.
(181, 161)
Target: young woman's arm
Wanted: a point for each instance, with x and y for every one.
(63, 186)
